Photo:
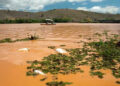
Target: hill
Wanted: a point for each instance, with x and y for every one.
(73, 15)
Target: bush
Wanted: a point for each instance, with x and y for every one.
(60, 20)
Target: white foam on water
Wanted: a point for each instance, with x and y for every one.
(24, 49)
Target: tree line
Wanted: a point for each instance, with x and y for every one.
(58, 20)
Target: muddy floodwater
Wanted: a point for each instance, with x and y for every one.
(13, 62)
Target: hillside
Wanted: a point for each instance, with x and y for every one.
(74, 15)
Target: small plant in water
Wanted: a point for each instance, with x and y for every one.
(56, 83)
(102, 54)
(9, 40)
(6, 40)
(62, 45)
(51, 47)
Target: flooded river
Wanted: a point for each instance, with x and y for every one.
(13, 62)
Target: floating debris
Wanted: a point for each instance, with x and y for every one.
(60, 50)
(118, 44)
(24, 49)
(39, 72)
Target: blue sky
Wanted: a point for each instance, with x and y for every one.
(102, 6)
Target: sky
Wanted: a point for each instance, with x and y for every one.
(101, 6)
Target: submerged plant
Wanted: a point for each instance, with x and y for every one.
(100, 54)
(98, 73)
(62, 45)
(51, 47)
(56, 83)
(104, 54)
(56, 64)
(9, 40)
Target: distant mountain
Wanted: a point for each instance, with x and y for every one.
(75, 15)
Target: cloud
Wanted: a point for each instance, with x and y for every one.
(29, 4)
(26, 4)
(75, 0)
(96, 0)
(107, 9)
(35, 5)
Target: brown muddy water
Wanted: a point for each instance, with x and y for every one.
(13, 62)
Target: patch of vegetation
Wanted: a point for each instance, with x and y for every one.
(105, 54)
(9, 40)
(31, 73)
(6, 40)
(30, 37)
(98, 73)
(58, 20)
(56, 83)
(51, 47)
(43, 79)
(62, 45)
(56, 63)
(99, 54)
(7, 21)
